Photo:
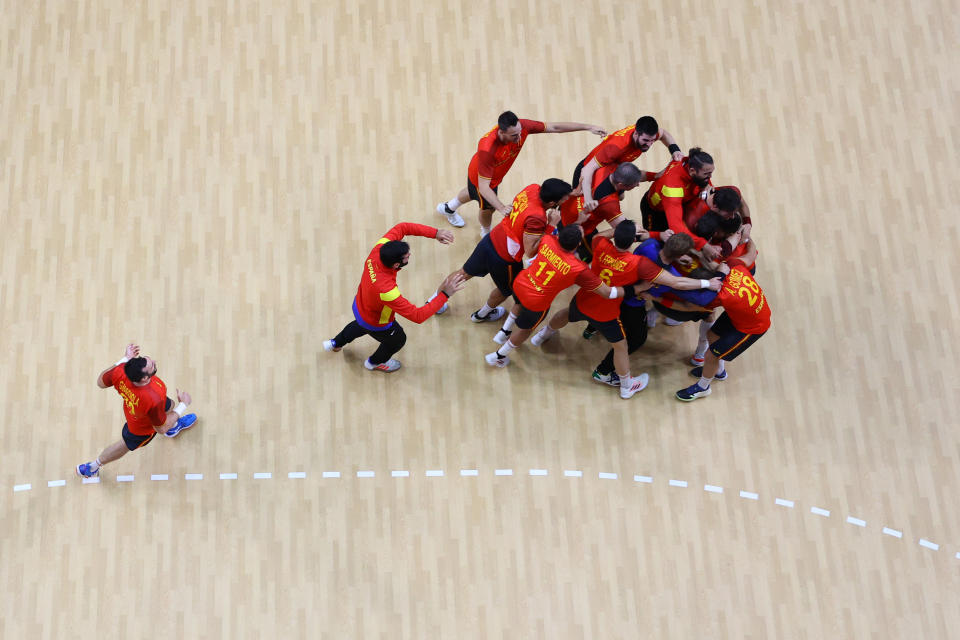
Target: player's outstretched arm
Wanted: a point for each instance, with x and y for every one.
(671, 144)
(486, 191)
(132, 352)
(586, 178)
(445, 236)
(686, 284)
(567, 127)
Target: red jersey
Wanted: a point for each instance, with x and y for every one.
(608, 202)
(527, 217)
(553, 269)
(144, 407)
(693, 211)
(743, 300)
(616, 148)
(494, 158)
(615, 268)
(378, 297)
(670, 192)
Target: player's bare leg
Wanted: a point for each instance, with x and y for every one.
(449, 209)
(486, 219)
(559, 320)
(712, 367)
(113, 452)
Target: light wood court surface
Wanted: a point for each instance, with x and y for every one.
(206, 177)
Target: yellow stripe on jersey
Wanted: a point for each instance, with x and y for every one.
(655, 199)
(673, 192)
(385, 314)
(383, 240)
(391, 295)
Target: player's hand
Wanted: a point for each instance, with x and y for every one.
(132, 351)
(715, 284)
(597, 130)
(710, 252)
(589, 204)
(745, 233)
(677, 156)
(452, 283)
(445, 236)
(582, 217)
(642, 235)
(184, 397)
(665, 235)
(723, 268)
(553, 216)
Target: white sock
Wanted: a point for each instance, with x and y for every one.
(484, 310)
(626, 381)
(705, 382)
(484, 231)
(454, 204)
(509, 323)
(547, 331)
(505, 349)
(96, 464)
(721, 368)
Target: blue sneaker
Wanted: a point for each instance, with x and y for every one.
(693, 392)
(185, 422)
(86, 470)
(697, 372)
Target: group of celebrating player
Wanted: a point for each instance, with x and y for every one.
(695, 257)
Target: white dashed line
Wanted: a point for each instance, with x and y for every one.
(331, 474)
(95, 480)
(503, 472)
(400, 474)
(263, 475)
(644, 479)
(124, 478)
(712, 488)
(784, 503)
(299, 475)
(607, 476)
(572, 473)
(22, 487)
(193, 476)
(856, 521)
(56, 483)
(434, 473)
(820, 512)
(538, 472)
(159, 476)
(366, 474)
(929, 545)
(469, 472)
(678, 483)
(893, 532)
(228, 476)
(749, 495)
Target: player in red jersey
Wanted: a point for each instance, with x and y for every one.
(146, 408)
(496, 152)
(681, 184)
(379, 299)
(625, 145)
(502, 252)
(554, 268)
(745, 319)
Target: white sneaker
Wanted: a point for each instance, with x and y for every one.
(496, 361)
(491, 316)
(330, 345)
(502, 336)
(633, 385)
(452, 216)
(387, 367)
(442, 310)
(541, 336)
(673, 323)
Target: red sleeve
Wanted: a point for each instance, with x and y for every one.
(532, 126)
(535, 225)
(648, 269)
(410, 229)
(673, 207)
(158, 413)
(110, 377)
(588, 280)
(414, 313)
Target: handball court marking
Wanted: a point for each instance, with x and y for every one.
(471, 473)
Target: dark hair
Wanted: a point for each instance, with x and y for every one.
(702, 273)
(627, 174)
(553, 189)
(625, 234)
(392, 252)
(647, 125)
(677, 246)
(697, 157)
(707, 225)
(570, 236)
(134, 369)
(731, 224)
(506, 120)
(726, 199)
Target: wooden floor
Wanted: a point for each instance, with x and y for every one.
(205, 178)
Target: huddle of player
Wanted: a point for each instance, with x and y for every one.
(694, 262)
